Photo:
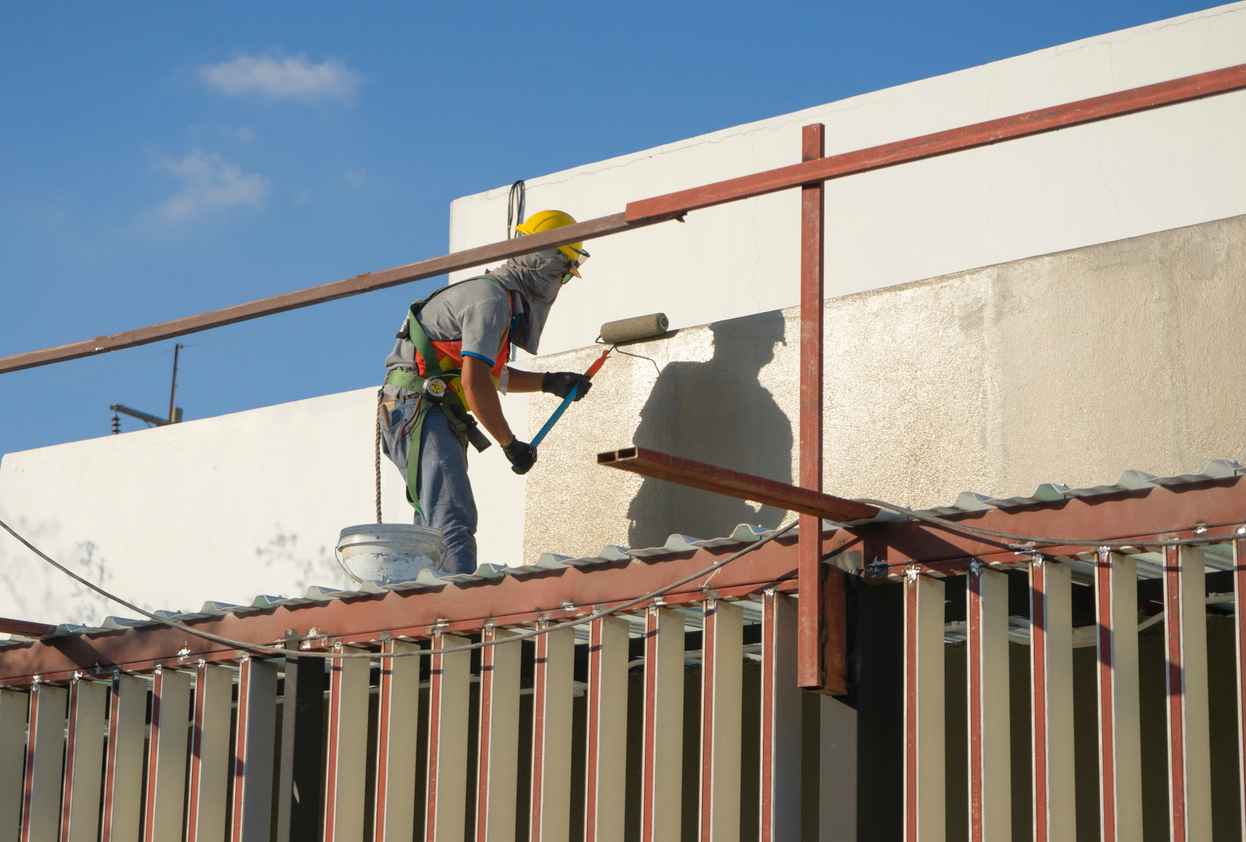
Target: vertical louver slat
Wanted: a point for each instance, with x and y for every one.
(1051, 682)
(299, 781)
(346, 747)
(780, 721)
(990, 790)
(662, 758)
(498, 744)
(209, 754)
(1120, 739)
(606, 731)
(398, 707)
(84, 761)
(722, 678)
(254, 751)
(13, 708)
(445, 814)
(166, 756)
(123, 761)
(924, 691)
(41, 806)
(1185, 642)
(1239, 622)
(550, 808)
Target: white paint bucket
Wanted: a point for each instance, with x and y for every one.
(388, 553)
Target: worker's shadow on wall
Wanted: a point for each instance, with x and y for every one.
(716, 412)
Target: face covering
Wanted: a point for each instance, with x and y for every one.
(537, 278)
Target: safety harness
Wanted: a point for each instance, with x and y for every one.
(435, 387)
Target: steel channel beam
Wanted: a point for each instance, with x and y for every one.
(1026, 124)
(1051, 683)
(41, 804)
(810, 614)
(694, 474)
(254, 751)
(605, 750)
(1189, 748)
(662, 749)
(781, 721)
(445, 813)
(166, 756)
(986, 650)
(924, 691)
(84, 761)
(722, 677)
(209, 754)
(24, 628)
(397, 718)
(1120, 735)
(346, 748)
(497, 766)
(123, 760)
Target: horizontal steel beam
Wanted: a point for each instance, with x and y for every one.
(689, 472)
(669, 206)
(1026, 124)
(24, 628)
(367, 282)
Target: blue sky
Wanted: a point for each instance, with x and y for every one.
(163, 160)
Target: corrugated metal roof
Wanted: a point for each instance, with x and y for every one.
(1130, 482)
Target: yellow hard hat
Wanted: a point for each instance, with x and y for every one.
(548, 220)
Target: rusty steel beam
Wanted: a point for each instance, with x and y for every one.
(689, 472)
(25, 628)
(919, 148)
(357, 285)
(810, 671)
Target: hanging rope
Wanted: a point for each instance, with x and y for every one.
(380, 419)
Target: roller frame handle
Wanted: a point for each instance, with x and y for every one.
(567, 401)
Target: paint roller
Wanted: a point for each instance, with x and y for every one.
(613, 334)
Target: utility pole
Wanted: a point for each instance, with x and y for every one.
(175, 414)
(175, 411)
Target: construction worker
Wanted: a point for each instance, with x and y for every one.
(445, 371)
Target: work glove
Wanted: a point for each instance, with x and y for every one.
(521, 455)
(561, 383)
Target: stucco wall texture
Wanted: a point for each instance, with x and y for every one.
(1070, 367)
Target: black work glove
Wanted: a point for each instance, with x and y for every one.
(561, 383)
(521, 455)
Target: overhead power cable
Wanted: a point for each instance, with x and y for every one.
(277, 651)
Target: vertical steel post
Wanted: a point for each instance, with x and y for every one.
(550, 811)
(1051, 682)
(662, 756)
(606, 731)
(1239, 622)
(166, 756)
(254, 750)
(13, 707)
(781, 718)
(1185, 642)
(445, 814)
(1120, 732)
(123, 760)
(810, 669)
(924, 692)
(44, 752)
(84, 761)
(497, 766)
(990, 791)
(722, 676)
(397, 717)
(346, 748)
(209, 754)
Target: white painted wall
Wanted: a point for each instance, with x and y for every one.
(221, 508)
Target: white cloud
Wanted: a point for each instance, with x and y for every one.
(208, 183)
(293, 77)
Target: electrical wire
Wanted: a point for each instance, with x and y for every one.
(278, 651)
(515, 201)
